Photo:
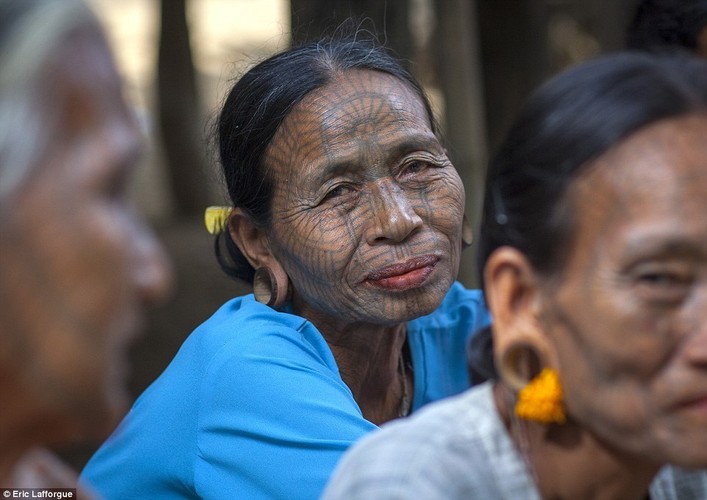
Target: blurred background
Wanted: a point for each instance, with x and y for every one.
(478, 60)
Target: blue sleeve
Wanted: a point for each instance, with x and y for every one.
(278, 411)
(438, 344)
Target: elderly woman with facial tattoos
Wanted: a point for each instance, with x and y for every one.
(77, 266)
(348, 218)
(594, 256)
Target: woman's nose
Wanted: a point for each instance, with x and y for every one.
(153, 270)
(393, 217)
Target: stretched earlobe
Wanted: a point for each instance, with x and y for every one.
(518, 362)
(271, 286)
(523, 352)
(521, 347)
(539, 390)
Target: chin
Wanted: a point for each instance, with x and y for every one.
(426, 305)
(691, 457)
(434, 294)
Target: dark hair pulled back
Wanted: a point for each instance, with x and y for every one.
(259, 102)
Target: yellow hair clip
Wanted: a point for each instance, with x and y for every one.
(215, 219)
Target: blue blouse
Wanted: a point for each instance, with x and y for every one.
(253, 406)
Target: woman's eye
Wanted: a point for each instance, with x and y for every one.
(660, 279)
(415, 167)
(664, 285)
(336, 191)
(673, 276)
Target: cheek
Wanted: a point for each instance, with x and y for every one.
(97, 262)
(628, 342)
(90, 285)
(318, 250)
(443, 208)
(608, 369)
(64, 334)
(100, 309)
(623, 375)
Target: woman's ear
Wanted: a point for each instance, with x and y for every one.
(250, 239)
(271, 284)
(521, 347)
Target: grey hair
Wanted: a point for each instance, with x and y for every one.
(31, 31)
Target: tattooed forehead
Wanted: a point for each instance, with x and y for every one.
(362, 118)
(366, 103)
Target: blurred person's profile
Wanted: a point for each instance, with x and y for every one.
(77, 263)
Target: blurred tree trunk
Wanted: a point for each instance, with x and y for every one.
(515, 58)
(311, 18)
(459, 71)
(180, 115)
(606, 20)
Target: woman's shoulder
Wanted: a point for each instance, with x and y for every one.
(674, 483)
(245, 325)
(446, 450)
(246, 311)
(244, 335)
(462, 308)
(447, 424)
(451, 427)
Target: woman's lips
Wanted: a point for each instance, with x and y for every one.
(698, 403)
(409, 274)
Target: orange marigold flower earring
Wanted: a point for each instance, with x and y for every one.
(541, 399)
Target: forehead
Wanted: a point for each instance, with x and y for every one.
(88, 131)
(357, 119)
(356, 105)
(652, 183)
(82, 62)
(362, 101)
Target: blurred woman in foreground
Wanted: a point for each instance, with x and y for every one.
(594, 257)
(77, 265)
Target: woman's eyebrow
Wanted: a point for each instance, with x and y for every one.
(395, 150)
(415, 143)
(333, 169)
(674, 245)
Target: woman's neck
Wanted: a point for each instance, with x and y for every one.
(24, 424)
(14, 417)
(371, 363)
(568, 462)
(14, 442)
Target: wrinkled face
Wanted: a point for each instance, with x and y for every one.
(629, 319)
(367, 209)
(78, 264)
